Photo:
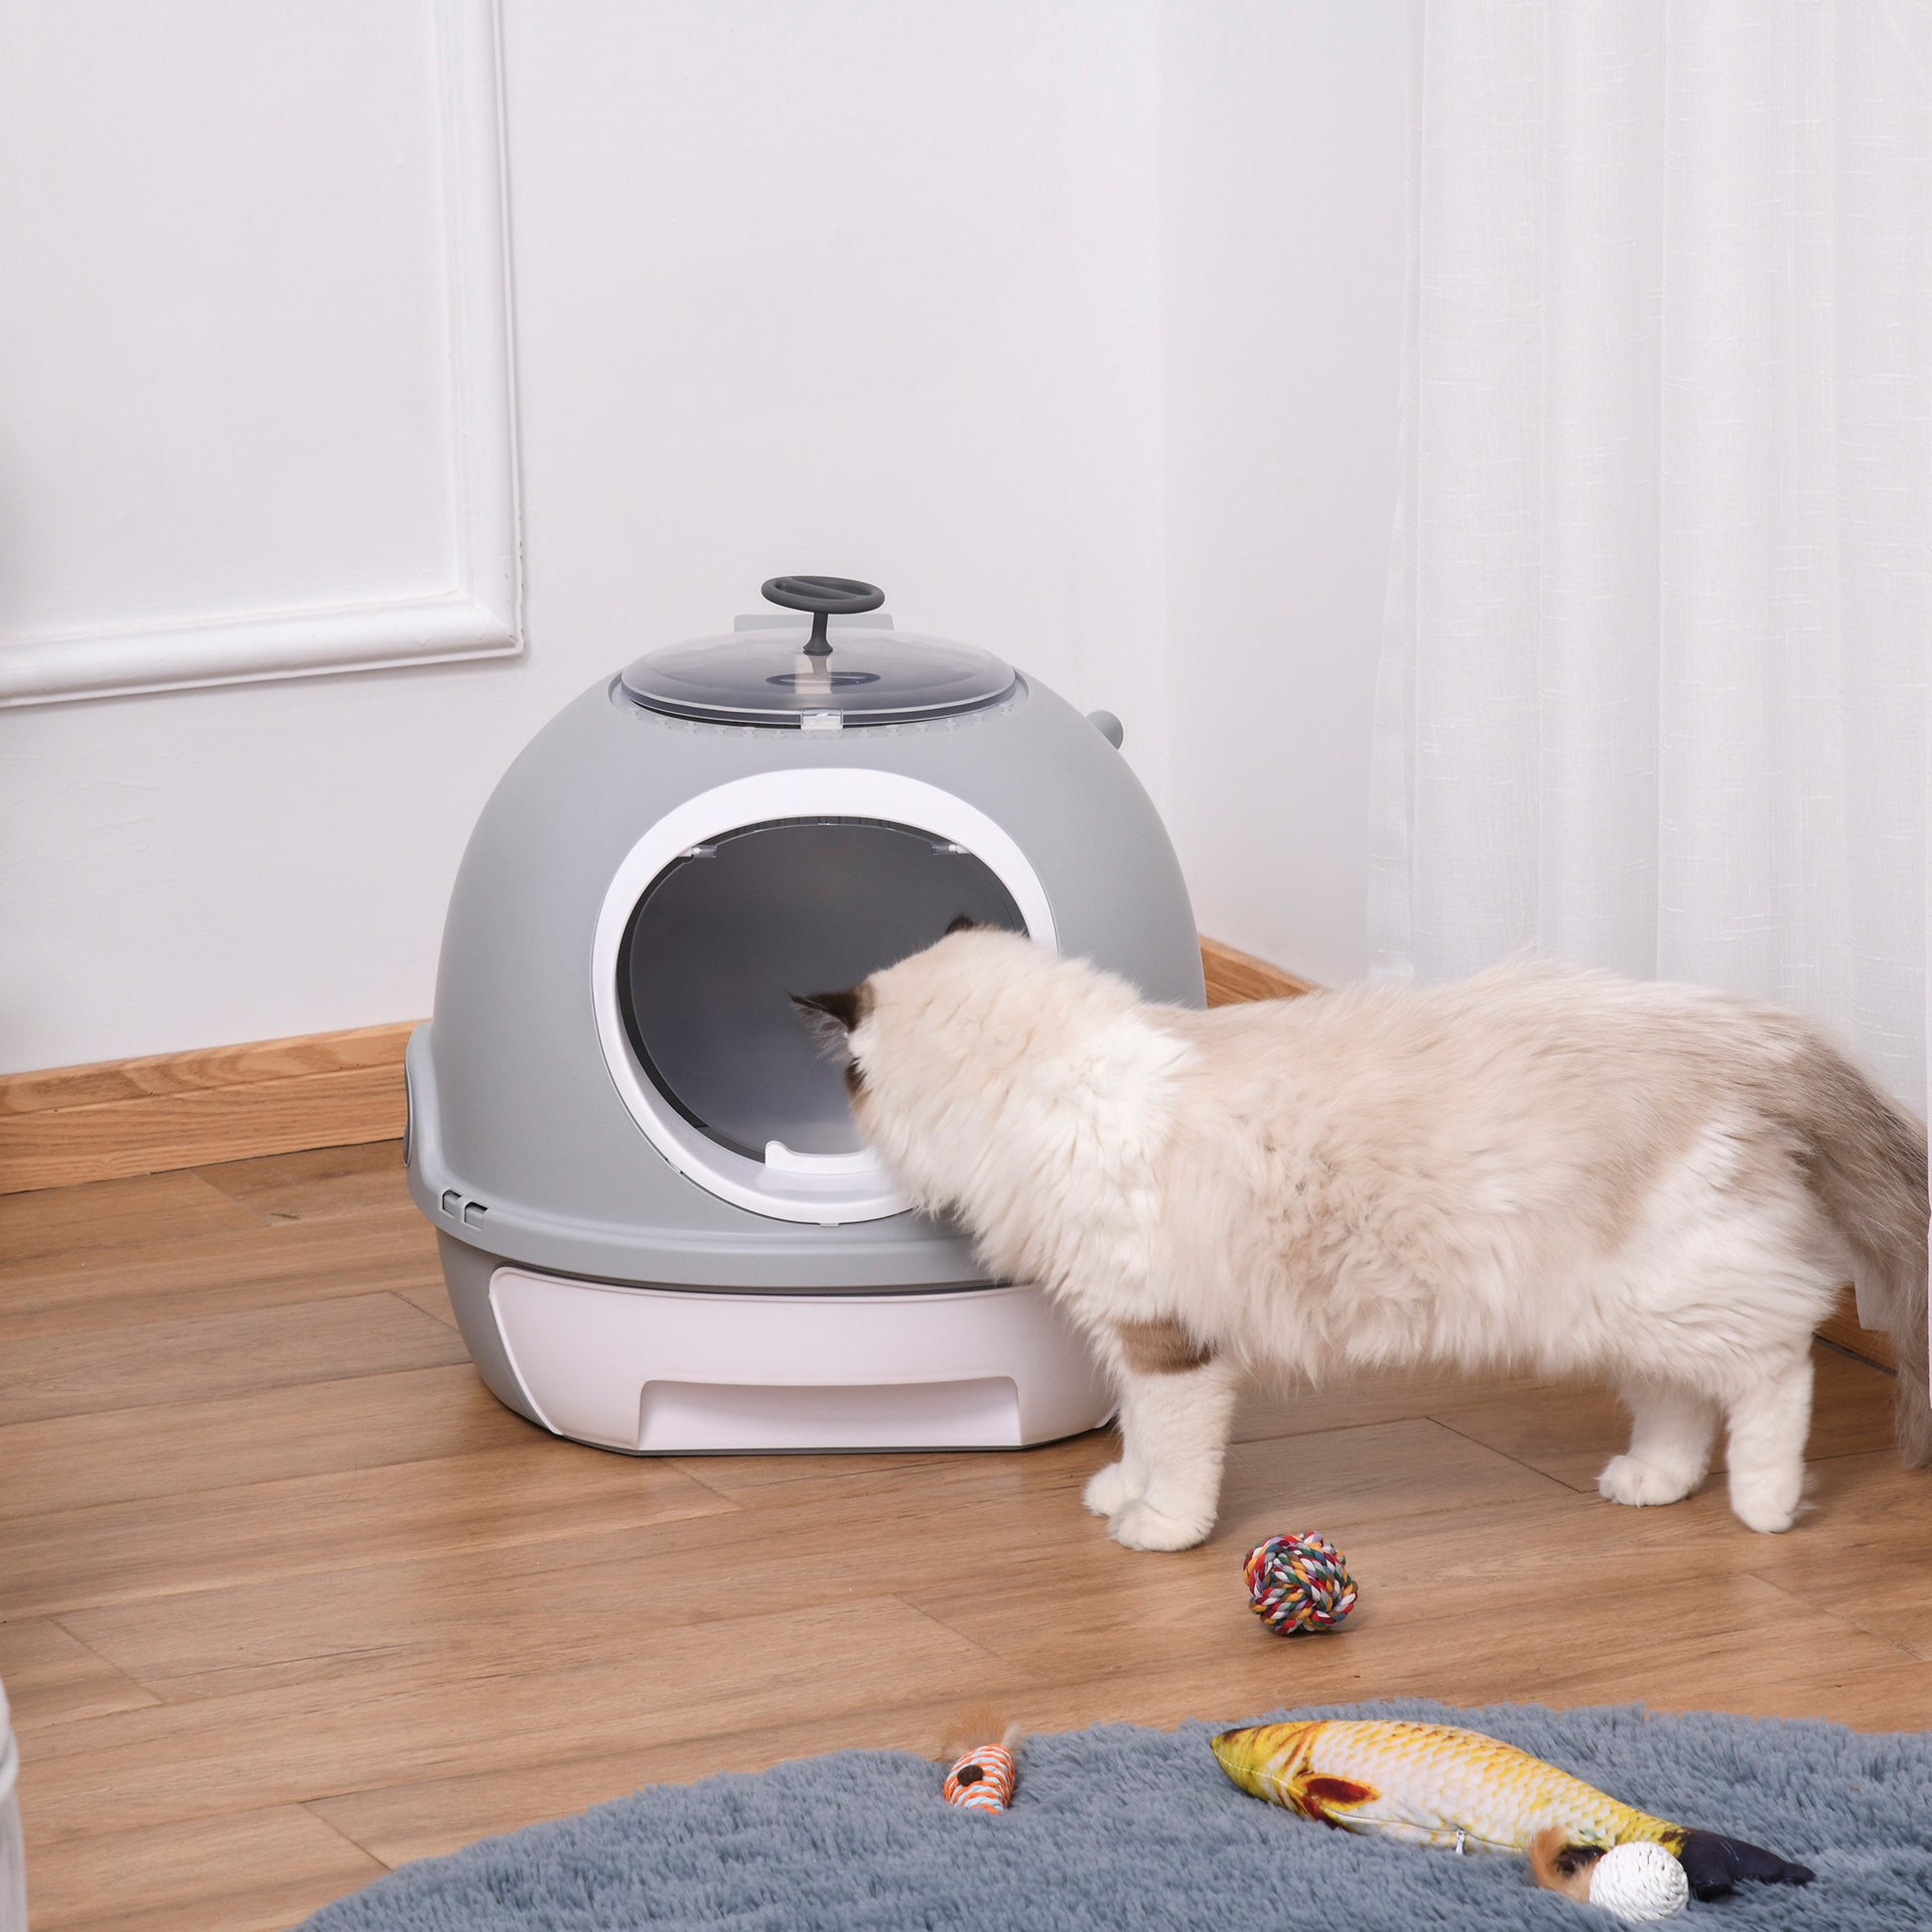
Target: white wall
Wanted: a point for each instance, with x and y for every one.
(858, 288)
(1282, 236)
(864, 288)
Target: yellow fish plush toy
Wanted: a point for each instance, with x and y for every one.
(1435, 1784)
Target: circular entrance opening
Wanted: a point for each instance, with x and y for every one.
(723, 937)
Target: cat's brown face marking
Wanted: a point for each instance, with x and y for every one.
(845, 1009)
(834, 1017)
(1161, 1349)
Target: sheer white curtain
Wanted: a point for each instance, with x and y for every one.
(1654, 690)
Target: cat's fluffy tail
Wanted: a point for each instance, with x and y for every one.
(1865, 1161)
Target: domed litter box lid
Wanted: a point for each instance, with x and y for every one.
(796, 677)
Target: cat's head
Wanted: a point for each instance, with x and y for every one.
(924, 1044)
(955, 1058)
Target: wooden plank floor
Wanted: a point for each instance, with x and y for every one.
(286, 1598)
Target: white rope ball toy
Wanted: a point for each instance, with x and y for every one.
(1639, 1882)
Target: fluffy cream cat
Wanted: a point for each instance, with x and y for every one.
(1538, 1169)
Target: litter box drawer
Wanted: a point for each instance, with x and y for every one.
(657, 1371)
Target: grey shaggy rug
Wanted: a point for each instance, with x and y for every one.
(1119, 1828)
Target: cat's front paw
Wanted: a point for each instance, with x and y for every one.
(1630, 1479)
(1110, 1490)
(1767, 1500)
(1141, 1526)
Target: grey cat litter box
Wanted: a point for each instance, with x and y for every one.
(659, 1227)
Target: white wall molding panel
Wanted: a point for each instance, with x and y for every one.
(255, 365)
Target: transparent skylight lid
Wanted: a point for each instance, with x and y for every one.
(813, 675)
(869, 677)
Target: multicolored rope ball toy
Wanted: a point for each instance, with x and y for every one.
(1297, 1585)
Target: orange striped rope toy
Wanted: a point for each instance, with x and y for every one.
(983, 1779)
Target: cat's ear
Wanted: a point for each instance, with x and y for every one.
(965, 922)
(832, 1016)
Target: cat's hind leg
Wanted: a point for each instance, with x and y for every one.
(1671, 1433)
(1769, 1423)
(1175, 1416)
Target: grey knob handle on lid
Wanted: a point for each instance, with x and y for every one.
(824, 598)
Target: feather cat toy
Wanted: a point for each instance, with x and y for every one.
(1435, 1784)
